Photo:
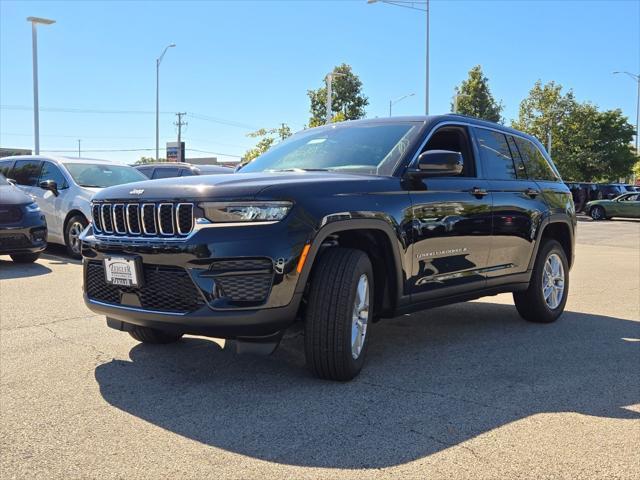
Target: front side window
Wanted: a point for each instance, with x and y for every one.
(102, 175)
(372, 148)
(495, 155)
(455, 139)
(51, 172)
(27, 172)
(537, 166)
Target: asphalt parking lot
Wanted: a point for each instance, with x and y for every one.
(464, 391)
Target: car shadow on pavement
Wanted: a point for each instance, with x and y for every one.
(10, 269)
(432, 381)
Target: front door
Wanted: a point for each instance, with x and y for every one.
(50, 203)
(451, 224)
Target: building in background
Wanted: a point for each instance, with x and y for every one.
(10, 152)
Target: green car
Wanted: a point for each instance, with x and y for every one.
(626, 205)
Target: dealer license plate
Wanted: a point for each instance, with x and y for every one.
(121, 271)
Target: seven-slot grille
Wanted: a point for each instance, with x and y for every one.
(164, 219)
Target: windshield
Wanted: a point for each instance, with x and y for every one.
(372, 148)
(101, 175)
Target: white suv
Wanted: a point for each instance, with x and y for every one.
(63, 188)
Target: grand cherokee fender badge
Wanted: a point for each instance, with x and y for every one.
(137, 191)
(440, 253)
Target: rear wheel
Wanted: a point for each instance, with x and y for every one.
(338, 314)
(153, 335)
(75, 226)
(544, 300)
(25, 257)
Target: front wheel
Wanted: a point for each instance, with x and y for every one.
(75, 226)
(544, 300)
(338, 314)
(597, 213)
(153, 335)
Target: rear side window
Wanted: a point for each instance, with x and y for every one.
(146, 171)
(52, 172)
(166, 172)
(27, 172)
(187, 172)
(5, 168)
(537, 166)
(495, 155)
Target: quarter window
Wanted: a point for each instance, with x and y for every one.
(537, 166)
(521, 171)
(495, 155)
(27, 172)
(51, 172)
(5, 168)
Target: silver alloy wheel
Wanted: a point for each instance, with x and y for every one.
(553, 281)
(360, 316)
(75, 230)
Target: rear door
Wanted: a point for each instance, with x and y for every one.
(451, 224)
(518, 205)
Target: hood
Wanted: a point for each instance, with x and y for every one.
(10, 195)
(235, 186)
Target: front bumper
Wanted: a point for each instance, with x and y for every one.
(209, 300)
(29, 235)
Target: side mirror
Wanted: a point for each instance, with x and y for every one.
(12, 181)
(437, 163)
(50, 185)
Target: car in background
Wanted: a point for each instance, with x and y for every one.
(626, 205)
(23, 228)
(171, 169)
(63, 188)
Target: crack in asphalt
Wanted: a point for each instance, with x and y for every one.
(60, 320)
(100, 358)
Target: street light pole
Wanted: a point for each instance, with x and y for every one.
(329, 113)
(393, 102)
(423, 6)
(36, 106)
(158, 61)
(637, 79)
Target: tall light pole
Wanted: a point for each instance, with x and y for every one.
(36, 106)
(637, 79)
(393, 102)
(329, 104)
(158, 61)
(423, 6)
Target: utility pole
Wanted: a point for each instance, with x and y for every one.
(79, 155)
(180, 124)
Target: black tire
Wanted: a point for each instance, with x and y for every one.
(73, 248)
(598, 213)
(153, 336)
(330, 308)
(531, 303)
(25, 257)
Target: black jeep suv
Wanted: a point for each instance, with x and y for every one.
(338, 227)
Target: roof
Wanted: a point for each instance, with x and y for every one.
(60, 159)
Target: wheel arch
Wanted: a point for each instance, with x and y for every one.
(379, 241)
(560, 229)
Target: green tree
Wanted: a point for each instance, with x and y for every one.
(347, 100)
(475, 99)
(145, 160)
(267, 138)
(586, 144)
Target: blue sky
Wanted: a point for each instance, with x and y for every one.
(249, 64)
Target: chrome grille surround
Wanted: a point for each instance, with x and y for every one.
(165, 220)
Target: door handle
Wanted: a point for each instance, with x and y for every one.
(478, 192)
(532, 192)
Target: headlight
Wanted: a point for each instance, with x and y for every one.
(32, 208)
(232, 212)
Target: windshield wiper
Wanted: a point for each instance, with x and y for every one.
(91, 186)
